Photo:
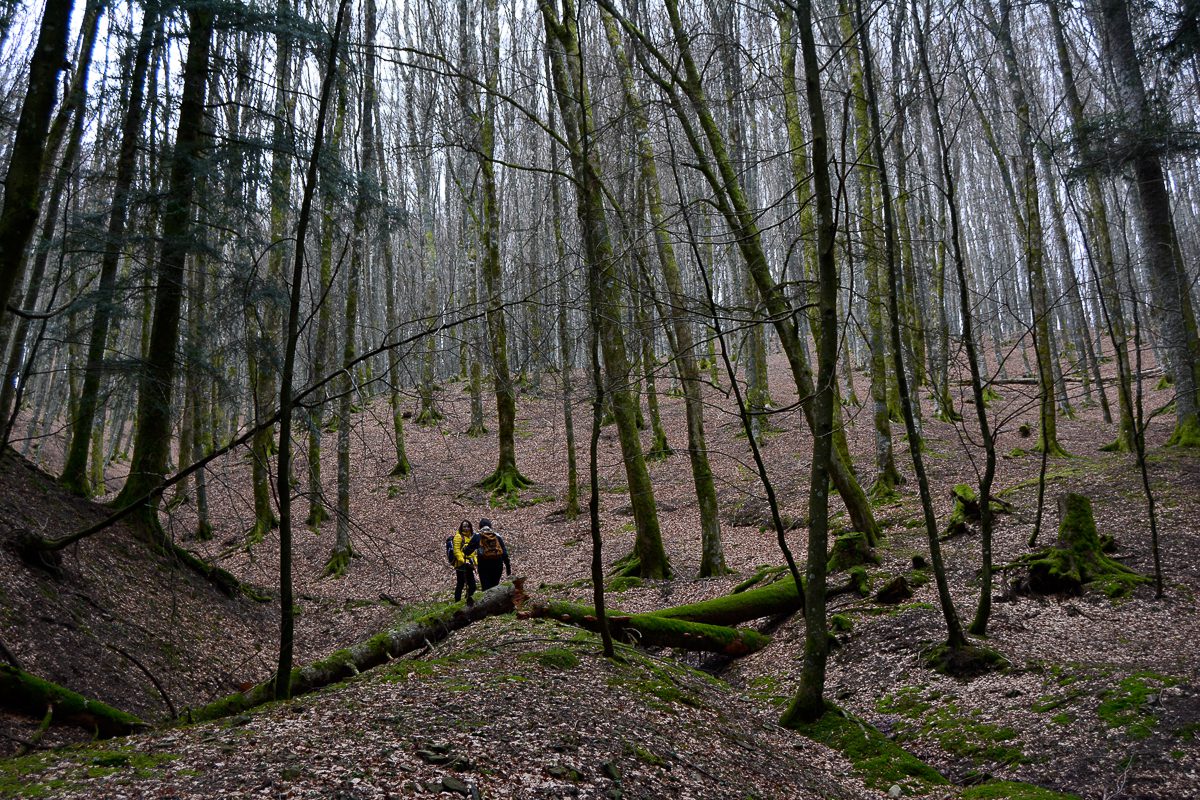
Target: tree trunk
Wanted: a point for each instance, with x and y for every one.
(152, 442)
(650, 559)
(22, 191)
(1168, 278)
(808, 703)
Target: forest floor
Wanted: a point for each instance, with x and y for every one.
(1101, 699)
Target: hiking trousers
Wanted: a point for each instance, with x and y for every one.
(465, 577)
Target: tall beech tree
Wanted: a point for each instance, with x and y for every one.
(649, 559)
(1169, 282)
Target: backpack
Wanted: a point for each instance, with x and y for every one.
(450, 549)
(490, 548)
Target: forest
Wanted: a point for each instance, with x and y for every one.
(829, 368)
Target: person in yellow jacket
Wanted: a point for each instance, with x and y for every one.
(465, 543)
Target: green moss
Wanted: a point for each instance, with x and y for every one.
(763, 572)
(876, 759)
(555, 657)
(624, 583)
(965, 661)
(768, 689)
(841, 623)
(907, 702)
(965, 736)
(646, 756)
(1124, 706)
(1065, 719)
(72, 766)
(1187, 433)
(1189, 732)
(1012, 790)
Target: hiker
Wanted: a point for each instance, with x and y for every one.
(492, 553)
(463, 547)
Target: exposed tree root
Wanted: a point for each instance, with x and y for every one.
(338, 563)
(506, 484)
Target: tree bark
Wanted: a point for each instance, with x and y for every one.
(22, 195)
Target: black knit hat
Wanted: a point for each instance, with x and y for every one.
(484, 522)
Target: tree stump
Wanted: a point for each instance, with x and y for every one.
(850, 550)
(1078, 559)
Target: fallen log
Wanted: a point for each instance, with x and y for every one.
(28, 694)
(773, 599)
(653, 630)
(379, 649)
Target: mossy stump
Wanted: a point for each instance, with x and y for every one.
(850, 550)
(964, 661)
(1078, 559)
(895, 591)
(967, 510)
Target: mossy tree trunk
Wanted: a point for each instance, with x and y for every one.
(605, 293)
(1101, 252)
(318, 509)
(367, 653)
(679, 329)
(1029, 220)
(566, 359)
(653, 630)
(402, 467)
(507, 480)
(1078, 559)
(365, 204)
(887, 477)
(713, 161)
(808, 703)
(22, 194)
(281, 686)
(28, 694)
(955, 638)
(1169, 282)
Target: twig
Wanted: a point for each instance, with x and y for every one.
(9, 656)
(121, 652)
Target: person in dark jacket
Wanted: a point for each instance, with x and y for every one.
(465, 543)
(492, 553)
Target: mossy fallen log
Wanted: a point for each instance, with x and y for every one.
(372, 652)
(1078, 560)
(28, 694)
(653, 630)
(773, 599)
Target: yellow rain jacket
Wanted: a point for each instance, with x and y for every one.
(461, 540)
